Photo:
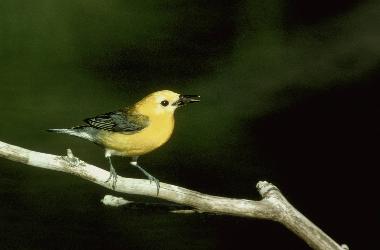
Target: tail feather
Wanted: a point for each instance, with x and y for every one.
(59, 130)
(80, 131)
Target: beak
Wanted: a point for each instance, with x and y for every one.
(185, 99)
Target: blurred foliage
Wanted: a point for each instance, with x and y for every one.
(256, 64)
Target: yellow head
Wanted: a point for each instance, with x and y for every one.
(163, 102)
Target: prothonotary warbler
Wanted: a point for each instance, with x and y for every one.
(133, 131)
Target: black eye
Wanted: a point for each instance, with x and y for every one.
(164, 103)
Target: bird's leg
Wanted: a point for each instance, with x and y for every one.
(150, 177)
(113, 174)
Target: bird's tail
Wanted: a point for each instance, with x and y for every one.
(84, 132)
(60, 130)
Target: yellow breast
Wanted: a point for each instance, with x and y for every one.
(153, 136)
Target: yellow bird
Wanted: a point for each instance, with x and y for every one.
(133, 131)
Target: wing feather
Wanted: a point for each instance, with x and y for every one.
(119, 121)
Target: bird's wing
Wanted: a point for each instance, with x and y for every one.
(119, 121)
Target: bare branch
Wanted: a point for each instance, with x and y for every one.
(273, 206)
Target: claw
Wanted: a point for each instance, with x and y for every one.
(151, 178)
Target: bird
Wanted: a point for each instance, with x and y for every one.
(133, 131)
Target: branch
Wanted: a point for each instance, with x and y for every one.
(273, 205)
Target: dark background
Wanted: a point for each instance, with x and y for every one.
(290, 94)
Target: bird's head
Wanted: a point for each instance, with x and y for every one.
(164, 102)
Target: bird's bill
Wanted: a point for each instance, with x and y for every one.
(185, 99)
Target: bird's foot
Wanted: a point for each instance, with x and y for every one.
(150, 177)
(155, 180)
(112, 178)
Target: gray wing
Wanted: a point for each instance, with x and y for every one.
(119, 121)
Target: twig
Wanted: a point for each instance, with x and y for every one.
(273, 206)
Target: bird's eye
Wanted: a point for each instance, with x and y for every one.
(164, 103)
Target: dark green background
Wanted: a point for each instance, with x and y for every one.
(290, 94)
